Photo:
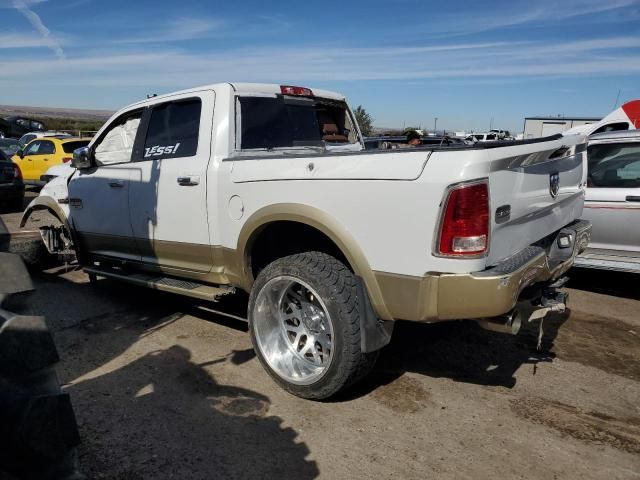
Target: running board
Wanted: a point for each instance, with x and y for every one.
(166, 284)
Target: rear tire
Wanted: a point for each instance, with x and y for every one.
(304, 322)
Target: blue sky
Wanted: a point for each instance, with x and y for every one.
(406, 62)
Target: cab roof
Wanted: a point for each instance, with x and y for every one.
(266, 89)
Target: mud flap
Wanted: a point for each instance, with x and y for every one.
(374, 332)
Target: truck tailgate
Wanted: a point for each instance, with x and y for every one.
(534, 191)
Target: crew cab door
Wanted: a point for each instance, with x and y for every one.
(168, 196)
(612, 202)
(99, 197)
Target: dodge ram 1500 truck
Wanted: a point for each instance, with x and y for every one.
(268, 188)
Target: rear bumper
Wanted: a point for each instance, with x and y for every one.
(489, 293)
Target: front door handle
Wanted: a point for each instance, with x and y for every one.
(633, 198)
(188, 181)
(116, 183)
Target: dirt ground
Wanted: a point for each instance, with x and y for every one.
(168, 387)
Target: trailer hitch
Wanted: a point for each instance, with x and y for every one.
(551, 300)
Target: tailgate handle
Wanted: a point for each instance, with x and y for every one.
(633, 198)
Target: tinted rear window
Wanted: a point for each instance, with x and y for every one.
(280, 122)
(69, 147)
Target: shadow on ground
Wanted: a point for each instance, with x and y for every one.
(461, 351)
(163, 416)
(146, 413)
(617, 284)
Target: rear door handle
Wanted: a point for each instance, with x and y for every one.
(188, 181)
(633, 198)
(116, 183)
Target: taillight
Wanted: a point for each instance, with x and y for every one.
(465, 222)
(66, 159)
(298, 91)
(17, 173)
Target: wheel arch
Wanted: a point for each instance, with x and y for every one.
(48, 204)
(321, 222)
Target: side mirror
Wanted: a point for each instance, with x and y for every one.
(82, 158)
(20, 153)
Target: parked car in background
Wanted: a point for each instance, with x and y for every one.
(42, 153)
(9, 146)
(612, 202)
(27, 137)
(502, 134)
(626, 117)
(384, 143)
(11, 185)
(482, 137)
(15, 127)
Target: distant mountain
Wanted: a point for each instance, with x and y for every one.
(52, 112)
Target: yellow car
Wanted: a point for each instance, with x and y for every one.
(43, 153)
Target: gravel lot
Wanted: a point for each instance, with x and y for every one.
(168, 387)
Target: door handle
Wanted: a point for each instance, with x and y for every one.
(116, 183)
(633, 198)
(188, 181)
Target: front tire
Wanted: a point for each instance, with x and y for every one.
(304, 321)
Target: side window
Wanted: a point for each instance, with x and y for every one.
(173, 130)
(46, 148)
(491, 137)
(116, 144)
(32, 148)
(26, 138)
(614, 165)
(612, 127)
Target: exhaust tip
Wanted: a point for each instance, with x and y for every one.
(510, 323)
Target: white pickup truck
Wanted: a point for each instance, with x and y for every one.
(268, 189)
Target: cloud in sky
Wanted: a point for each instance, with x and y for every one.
(22, 6)
(527, 13)
(494, 60)
(178, 29)
(505, 54)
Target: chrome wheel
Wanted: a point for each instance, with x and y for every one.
(293, 330)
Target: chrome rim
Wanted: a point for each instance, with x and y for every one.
(293, 330)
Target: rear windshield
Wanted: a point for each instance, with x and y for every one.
(283, 121)
(69, 147)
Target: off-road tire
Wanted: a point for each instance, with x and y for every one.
(337, 287)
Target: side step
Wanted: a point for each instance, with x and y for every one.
(166, 284)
